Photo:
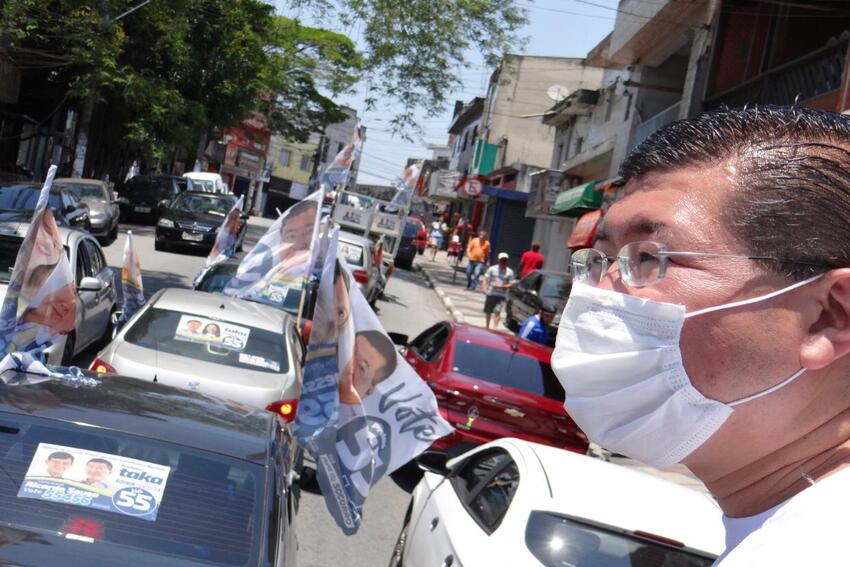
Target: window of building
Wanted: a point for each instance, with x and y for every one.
(559, 156)
(609, 104)
(465, 139)
(305, 162)
(284, 158)
(339, 147)
(579, 143)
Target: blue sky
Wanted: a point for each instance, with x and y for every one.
(568, 28)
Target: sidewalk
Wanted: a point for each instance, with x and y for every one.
(465, 306)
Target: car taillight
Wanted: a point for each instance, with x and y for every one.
(361, 276)
(286, 409)
(101, 367)
(84, 527)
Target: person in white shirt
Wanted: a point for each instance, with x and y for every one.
(498, 280)
(710, 324)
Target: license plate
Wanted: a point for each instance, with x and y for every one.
(142, 209)
(193, 237)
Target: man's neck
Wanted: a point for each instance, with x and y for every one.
(775, 478)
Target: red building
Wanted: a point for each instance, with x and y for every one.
(246, 147)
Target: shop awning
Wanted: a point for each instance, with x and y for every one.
(578, 200)
(584, 232)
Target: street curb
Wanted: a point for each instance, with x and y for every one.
(446, 301)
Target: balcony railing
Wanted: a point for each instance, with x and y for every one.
(660, 120)
(809, 76)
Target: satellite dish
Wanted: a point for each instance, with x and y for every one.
(558, 92)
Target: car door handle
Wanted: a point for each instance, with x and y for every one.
(513, 412)
(434, 523)
(448, 561)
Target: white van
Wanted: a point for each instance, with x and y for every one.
(207, 182)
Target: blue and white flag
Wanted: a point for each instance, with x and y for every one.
(131, 280)
(337, 172)
(277, 268)
(225, 240)
(363, 411)
(406, 185)
(40, 305)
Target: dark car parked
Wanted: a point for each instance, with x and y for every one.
(67, 209)
(192, 220)
(184, 479)
(408, 245)
(538, 289)
(145, 196)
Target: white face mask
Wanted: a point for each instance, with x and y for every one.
(619, 361)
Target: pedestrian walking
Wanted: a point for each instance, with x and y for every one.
(711, 324)
(477, 251)
(435, 237)
(497, 281)
(531, 260)
(536, 327)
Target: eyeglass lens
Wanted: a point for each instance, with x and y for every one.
(641, 263)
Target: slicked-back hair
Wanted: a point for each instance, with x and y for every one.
(791, 179)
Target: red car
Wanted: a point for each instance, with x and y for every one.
(421, 235)
(491, 384)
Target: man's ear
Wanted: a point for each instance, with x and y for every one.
(829, 314)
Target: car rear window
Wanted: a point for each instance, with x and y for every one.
(156, 329)
(352, 253)
(209, 512)
(556, 540)
(410, 229)
(507, 368)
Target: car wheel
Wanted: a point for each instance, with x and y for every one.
(158, 245)
(397, 558)
(68, 352)
(113, 234)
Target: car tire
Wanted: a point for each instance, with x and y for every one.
(397, 558)
(68, 351)
(160, 246)
(113, 234)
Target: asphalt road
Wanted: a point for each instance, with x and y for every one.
(409, 307)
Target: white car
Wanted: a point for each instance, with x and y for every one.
(207, 182)
(512, 502)
(358, 252)
(221, 346)
(96, 296)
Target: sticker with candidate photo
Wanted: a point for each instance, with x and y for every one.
(196, 329)
(92, 479)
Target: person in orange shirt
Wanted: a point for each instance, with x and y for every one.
(478, 251)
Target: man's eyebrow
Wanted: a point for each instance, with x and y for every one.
(639, 226)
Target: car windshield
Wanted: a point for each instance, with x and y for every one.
(262, 351)
(556, 286)
(204, 204)
(556, 541)
(85, 192)
(209, 511)
(507, 368)
(24, 198)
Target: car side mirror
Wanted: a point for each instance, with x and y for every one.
(399, 339)
(244, 216)
(164, 203)
(434, 462)
(90, 284)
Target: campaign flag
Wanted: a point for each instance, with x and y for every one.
(225, 240)
(406, 185)
(363, 411)
(336, 172)
(131, 280)
(40, 305)
(277, 268)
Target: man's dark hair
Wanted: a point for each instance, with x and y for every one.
(535, 246)
(385, 348)
(194, 321)
(301, 207)
(61, 455)
(790, 179)
(104, 461)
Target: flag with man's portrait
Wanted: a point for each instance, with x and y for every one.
(363, 411)
(226, 238)
(337, 172)
(133, 294)
(405, 185)
(40, 305)
(277, 268)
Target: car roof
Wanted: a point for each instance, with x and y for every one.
(354, 238)
(219, 306)
(203, 175)
(501, 340)
(611, 494)
(145, 409)
(17, 224)
(79, 181)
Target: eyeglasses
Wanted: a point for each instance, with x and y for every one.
(644, 263)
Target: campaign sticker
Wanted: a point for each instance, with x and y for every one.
(352, 253)
(92, 479)
(196, 329)
(260, 361)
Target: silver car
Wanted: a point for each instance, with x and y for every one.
(221, 346)
(103, 209)
(358, 252)
(96, 296)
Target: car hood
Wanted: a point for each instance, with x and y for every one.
(202, 218)
(98, 206)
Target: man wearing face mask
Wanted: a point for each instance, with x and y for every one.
(710, 324)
